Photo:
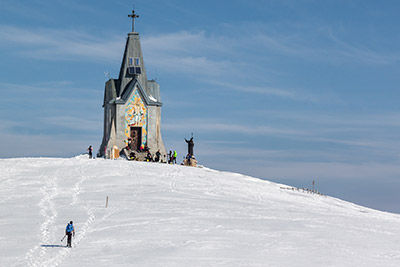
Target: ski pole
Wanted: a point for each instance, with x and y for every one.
(63, 238)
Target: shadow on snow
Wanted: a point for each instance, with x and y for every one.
(53, 246)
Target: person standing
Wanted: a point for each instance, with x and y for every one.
(70, 231)
(170, 157)
(158, 155)
(90, 150)
(175, 156)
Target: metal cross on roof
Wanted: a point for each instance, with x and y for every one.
(133, 16)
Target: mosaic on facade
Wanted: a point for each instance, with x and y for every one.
(136, 115)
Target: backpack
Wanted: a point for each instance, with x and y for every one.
(70, 228)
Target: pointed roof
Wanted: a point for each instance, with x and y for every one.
(148, 99)
(133, 73)
(132, 66)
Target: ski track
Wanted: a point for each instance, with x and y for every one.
(37, 254)
(78, 188)
(213, 196)
(87, 228)
(173, 186)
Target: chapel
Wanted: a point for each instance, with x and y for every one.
(132, 105)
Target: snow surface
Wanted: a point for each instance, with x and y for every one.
(170, 215)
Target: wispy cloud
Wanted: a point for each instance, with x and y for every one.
(359, 52)
(51, 44)
(265, 90)
(310, 42)
(198, 66)
(187, 52)
(327, 117)
(181, 42)
(182, 52)
(46, 92)
(195, 53)
(46, 143)
(375, 135)
(328, 170)
(209, 125)
(26, 145)
(71, 122)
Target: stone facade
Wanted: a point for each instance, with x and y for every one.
(132, 105)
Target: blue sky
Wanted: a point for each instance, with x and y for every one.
(290, 91)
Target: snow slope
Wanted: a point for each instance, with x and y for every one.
(165, 215)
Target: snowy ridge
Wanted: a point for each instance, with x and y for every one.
(169, 215)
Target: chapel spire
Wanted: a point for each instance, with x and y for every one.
(132, 106)
(133, 16)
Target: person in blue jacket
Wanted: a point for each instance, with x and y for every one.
(70, 231)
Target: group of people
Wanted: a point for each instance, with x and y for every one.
(172, 157)
(149, 157)
(156, 158)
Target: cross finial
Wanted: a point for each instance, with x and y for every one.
(133, 16)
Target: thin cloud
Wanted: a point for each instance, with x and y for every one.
(186, 52)
(56, 91)
(311, 43)
(306, 128)
(370, 131)
(193, 52)
(174, 52)
(52, 44)
(361, 54)
(189, 64)
(26, 145)
(181, 42)
(73, 122)
(327, 170)
(207, 126)
(391, 119)
(283, 93)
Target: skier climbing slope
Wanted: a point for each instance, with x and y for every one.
(70, 231)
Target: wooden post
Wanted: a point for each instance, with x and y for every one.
(106, 201)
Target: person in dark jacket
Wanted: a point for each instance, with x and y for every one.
(158, 155)
(170, 157)
(70, 231)
(90, 150)
(149, 157)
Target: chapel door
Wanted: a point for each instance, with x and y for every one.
(136, 137)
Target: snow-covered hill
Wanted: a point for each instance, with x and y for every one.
(165, 215)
